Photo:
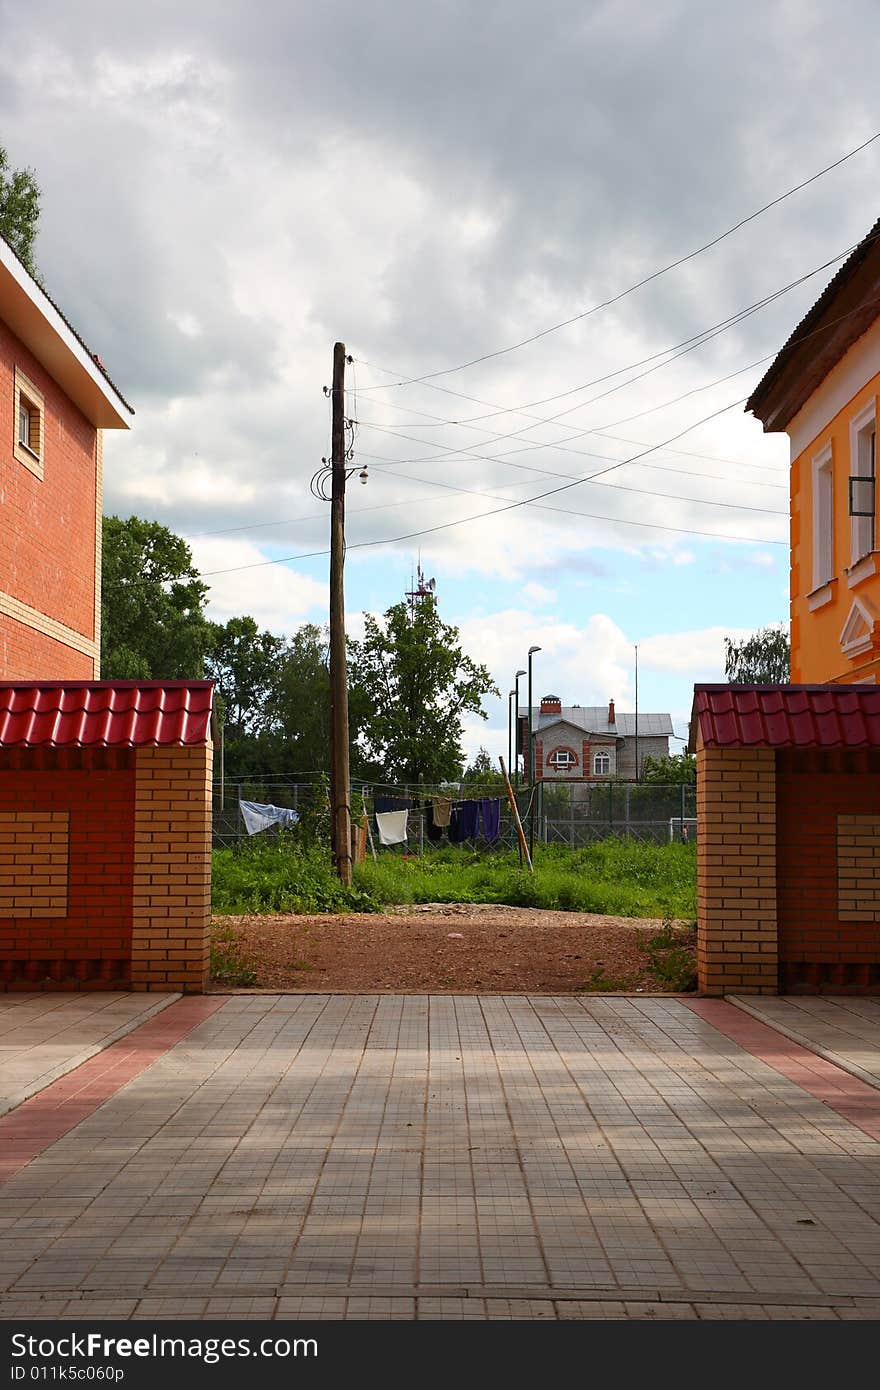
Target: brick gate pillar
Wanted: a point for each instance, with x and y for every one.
(172, 868)
(737, 946)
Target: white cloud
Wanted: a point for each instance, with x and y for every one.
(539, 594)
(275, 596)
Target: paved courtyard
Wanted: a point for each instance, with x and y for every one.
(445, 1157)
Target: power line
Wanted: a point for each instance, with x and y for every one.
(583, 453)
(679, 350)
(614, 487)
(690, 344)
(655, 275)
(527, 502)
(566, 447)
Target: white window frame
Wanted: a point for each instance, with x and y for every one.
(556, 759)
(604, 757)
(862, 456)
(823, 517)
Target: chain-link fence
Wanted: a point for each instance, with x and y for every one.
(558, 812)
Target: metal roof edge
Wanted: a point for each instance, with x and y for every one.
(60, 324)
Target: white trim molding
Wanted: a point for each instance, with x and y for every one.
(862, 569)
(861, 528)
(818, 598)
(822, 538)
(857, 635)
(842, 384)
(49, 627)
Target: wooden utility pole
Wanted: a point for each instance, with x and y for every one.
(340, 782)
(514, 811)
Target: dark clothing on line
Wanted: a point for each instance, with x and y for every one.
(490, 815)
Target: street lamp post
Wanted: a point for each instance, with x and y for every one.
(516, 730)
(532, 651)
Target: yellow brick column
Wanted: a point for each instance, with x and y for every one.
(172, 869)
(737, 942)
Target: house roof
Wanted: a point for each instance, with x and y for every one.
(843, 312)
(787, 716)
(593, 719)
(37, 320)
(104, 714)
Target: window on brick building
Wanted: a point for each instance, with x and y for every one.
(28, 417)
(562, 758)
(602, 764)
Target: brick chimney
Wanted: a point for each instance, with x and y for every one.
(611, 719)
(551, 704)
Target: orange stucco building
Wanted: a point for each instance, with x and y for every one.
(822, 390)
(55, 402)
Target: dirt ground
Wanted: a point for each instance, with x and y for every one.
(438, 948)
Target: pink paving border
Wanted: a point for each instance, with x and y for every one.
(42, 1119)
(849, 1097)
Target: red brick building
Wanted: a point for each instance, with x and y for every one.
(788, 801)
(105, 835)
(55, 401)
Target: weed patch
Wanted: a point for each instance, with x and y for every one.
(228, 966)
(672, 957)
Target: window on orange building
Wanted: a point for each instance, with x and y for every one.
(861, 485)
(823, 518)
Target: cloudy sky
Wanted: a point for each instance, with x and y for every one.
(228, 189)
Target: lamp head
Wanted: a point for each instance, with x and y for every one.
(520, 673)
(534, 649)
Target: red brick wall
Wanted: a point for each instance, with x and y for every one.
(26, 654)
(47, 540)
(817, 951)
(90, 948)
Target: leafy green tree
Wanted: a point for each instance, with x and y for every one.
(482, 771)
(762, 659)
(245, 663)
(412, 683)
(298, 710)
(677, 768)
(19, 209)
(153, 625)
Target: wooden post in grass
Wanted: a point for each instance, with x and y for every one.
(516, 820)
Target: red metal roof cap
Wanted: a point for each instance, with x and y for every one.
(787, 716)
(104, 714)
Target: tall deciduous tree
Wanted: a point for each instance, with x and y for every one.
(153, 625)
(19, 209)
(482, 771)
(412, 683)
(245, 663)
(762, 659)
(674, 769)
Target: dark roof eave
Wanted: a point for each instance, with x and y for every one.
(808, 355)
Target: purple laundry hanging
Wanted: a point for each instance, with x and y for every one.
(490, 816)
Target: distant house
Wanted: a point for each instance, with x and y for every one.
(592, 743)
(822, 390)
(55, 401)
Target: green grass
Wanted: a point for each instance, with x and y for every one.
(624, 878)
(266, 876)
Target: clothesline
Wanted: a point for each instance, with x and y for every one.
(461, 818)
